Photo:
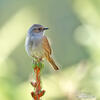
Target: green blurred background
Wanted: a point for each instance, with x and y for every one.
(75, 38)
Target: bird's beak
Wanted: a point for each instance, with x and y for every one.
(46, 28)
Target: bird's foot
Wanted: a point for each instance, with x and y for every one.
(36, 60)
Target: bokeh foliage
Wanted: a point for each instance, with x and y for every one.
(75, 39)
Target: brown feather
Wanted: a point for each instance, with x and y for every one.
(46, 45)
(47, 52)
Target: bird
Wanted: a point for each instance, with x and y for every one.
(38, 46)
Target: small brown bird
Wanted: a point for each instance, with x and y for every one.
(37, 44)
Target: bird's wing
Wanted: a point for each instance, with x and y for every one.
(46, 45)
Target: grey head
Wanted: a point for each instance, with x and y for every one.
(36, 29)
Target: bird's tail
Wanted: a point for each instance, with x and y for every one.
(52, 62)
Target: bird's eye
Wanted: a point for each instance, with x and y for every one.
(39, 29)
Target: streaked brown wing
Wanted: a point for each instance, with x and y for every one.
(46, 45)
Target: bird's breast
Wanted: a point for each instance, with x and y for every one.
(34, 46)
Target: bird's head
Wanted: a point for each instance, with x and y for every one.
(37, 29)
